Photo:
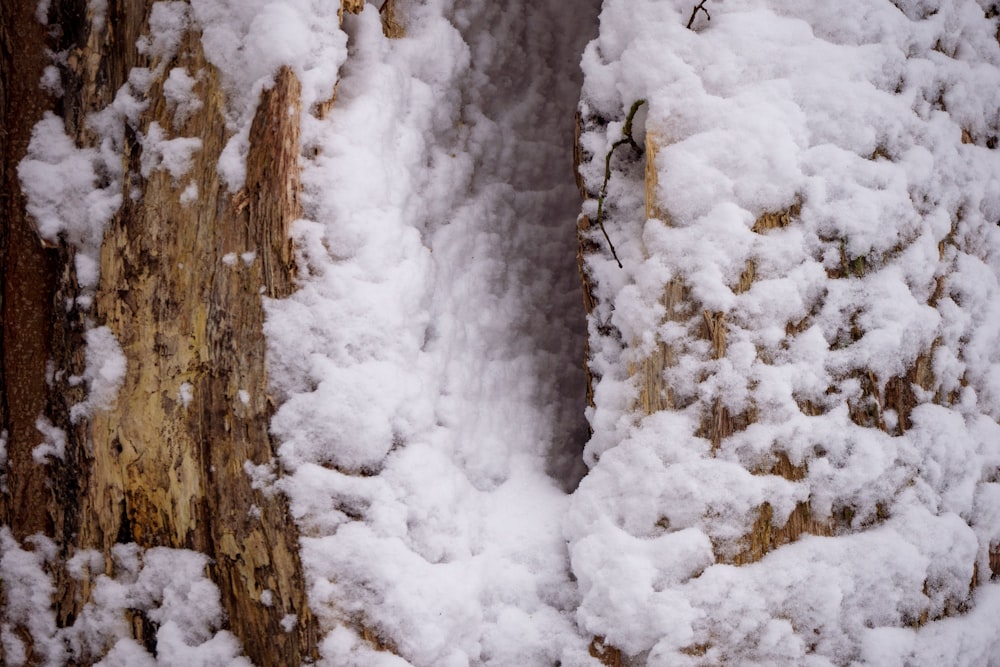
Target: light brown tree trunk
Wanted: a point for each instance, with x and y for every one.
(181, 288)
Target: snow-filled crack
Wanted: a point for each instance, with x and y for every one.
(430, 365)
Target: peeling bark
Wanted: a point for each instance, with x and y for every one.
(181, 287)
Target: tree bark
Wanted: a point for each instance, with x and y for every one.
(181, 288)
(28, 275)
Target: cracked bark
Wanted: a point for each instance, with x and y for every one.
(154, 468)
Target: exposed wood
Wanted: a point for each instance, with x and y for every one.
(392, 27)
(181, 287)
(718, 423)
(766, 222)
(351, 6)
(765, 537)
(654, 394)
(585, 246)
(651, 181)
(900, 393)
(37, 329)
(605, 653)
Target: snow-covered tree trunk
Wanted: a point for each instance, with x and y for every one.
(795, 373)
(27, 276)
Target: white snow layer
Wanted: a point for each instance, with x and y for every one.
(427, 365)
(168, 585)
(430, 363)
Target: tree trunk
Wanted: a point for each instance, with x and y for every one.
(28, 276)
(181, 283)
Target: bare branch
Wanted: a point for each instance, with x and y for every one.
(627, 138)
(694, 13)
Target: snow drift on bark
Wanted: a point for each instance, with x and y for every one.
(859, 362)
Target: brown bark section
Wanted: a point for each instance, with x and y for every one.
(717, 422)
(584, 247)
(879, 395)
(606, 654)
(654, 393)
(28, 275)
(765, 537)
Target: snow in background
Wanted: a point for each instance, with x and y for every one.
(429, 366)
(855, 111)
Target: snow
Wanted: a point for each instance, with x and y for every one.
(185, 393)
(104, 371)
(28, 592)
(167, 24)
(168, 586)
(53, 441)
(427, 368)
(178, 90)
(428, 365)
(247, 41)
(189, 194)
(172, 155)
(61, 183)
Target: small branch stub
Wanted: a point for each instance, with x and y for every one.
(694, 13)
(627, 138)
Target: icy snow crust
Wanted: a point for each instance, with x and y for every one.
(855, 111)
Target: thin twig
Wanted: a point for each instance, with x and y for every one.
(627, 138)
(694, 13)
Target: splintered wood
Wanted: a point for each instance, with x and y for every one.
(181, 285)
(654, 394)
